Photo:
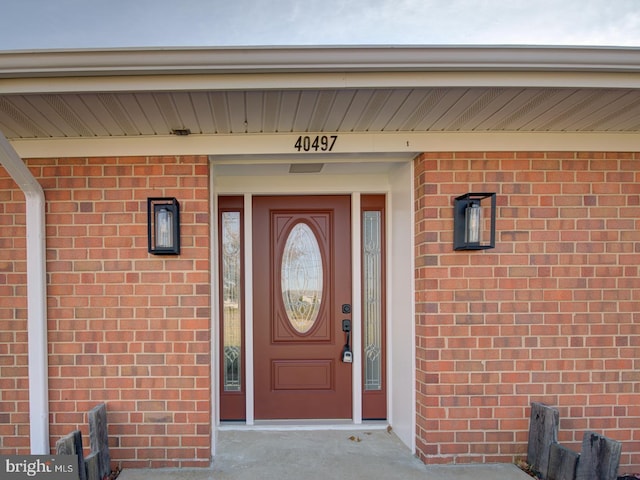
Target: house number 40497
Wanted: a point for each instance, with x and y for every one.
(319, 143)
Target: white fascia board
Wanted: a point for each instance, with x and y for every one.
(346, 143)
(302, 81)
(315, 67)
(100, 62)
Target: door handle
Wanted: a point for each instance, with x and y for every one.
(347, 355)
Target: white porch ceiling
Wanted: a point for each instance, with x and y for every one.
(357, 110)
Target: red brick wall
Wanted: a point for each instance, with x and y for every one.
(125, 327)
(552, 314)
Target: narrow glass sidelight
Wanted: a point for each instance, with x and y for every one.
(231, 299)
(301, 278)
(372, 299)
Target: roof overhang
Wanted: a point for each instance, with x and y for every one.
(237, 100)
(162, 61)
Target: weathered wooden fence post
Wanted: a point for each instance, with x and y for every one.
(543, 432)
(93, 466)
(599, 458)
(72, 445)
(562, 463)
(99, 438)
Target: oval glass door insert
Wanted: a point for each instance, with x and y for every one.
(301, 278)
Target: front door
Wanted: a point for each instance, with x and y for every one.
(302, 295)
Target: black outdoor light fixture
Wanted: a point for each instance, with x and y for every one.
(474, 221)
(163, 226)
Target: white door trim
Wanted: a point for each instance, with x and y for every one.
(248, 306)
(356, 308)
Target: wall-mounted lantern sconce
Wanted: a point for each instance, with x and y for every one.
(474, 221)
(163, 226)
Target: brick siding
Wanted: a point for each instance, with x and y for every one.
(552, 314)
(124, 327)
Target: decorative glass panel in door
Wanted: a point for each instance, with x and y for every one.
(301, 278)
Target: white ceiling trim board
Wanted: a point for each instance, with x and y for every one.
(347, 143)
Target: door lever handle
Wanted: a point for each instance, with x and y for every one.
(347, 355)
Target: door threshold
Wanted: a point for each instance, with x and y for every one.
(303, 425)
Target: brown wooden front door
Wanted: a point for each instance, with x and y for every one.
(301, 286)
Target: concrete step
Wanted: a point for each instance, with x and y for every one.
(322, 455)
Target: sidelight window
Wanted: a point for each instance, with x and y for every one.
(373, 307)
(231, 307)
(231, 301)
(372, 299)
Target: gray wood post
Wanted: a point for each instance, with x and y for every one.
(72, 445)
(562, 463)
(93, 466)
(543, 432)
(599, 458)
(99, 438)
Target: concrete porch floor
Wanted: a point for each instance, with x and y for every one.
(321, 455)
